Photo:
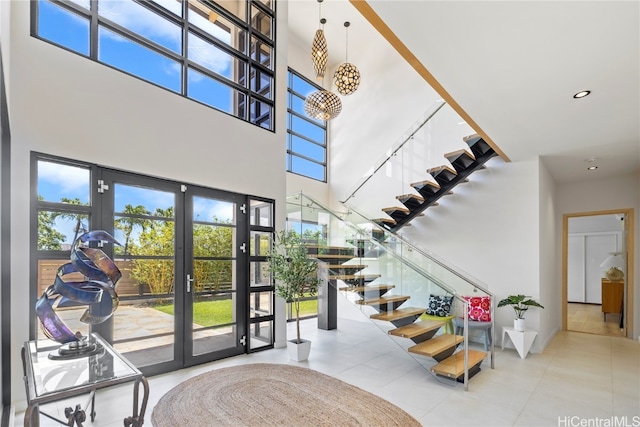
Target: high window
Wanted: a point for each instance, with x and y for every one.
(220, 54)
(306, 137)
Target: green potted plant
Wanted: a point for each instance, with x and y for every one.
(296, 277)
(520, 304)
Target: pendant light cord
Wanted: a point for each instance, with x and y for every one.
(346, 39)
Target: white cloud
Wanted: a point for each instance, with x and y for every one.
(209, 209)
(146, 23)
(66, 178)
(141, 20)
(209, 56)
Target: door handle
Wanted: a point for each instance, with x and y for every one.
(189, 281)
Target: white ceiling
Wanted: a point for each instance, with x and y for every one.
(514, 66)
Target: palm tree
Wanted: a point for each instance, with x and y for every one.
(127, 223)
(78, 217)
(49, 239)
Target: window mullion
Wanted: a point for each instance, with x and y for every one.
(93, 31)
(185, 48)
(306, 138)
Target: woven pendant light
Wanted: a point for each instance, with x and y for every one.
(347, 76)
(322, 105)
(319, 50)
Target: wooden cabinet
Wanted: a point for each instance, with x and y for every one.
(612, 297)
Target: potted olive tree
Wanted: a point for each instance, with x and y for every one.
(520, 304)
(296, 277)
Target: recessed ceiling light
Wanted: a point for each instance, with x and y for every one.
(582, 94)
(592, 168)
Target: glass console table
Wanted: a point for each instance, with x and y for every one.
(49, 378)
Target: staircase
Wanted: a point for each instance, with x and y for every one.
(379, 270)
(444, 178)
(395, 309)
(390, 280)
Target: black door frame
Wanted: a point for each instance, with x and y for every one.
(240, 273)
(102, 217)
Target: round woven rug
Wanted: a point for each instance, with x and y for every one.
(273, 395)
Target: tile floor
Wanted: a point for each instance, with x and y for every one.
(579, 378)
(589, 318)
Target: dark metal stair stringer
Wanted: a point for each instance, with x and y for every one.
(482, 153)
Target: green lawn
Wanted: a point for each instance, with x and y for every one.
(206, 313)
(308, 308)
(210, 313)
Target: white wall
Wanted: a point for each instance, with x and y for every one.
(489, 228)
(66, 105)
(612, 193)
(550, 261)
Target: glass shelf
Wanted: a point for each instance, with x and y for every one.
(49, 378)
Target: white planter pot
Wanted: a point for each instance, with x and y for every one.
(519, 325)
(298, 352)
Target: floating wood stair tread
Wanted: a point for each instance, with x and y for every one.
(332, 256)
(470, 137)
(437, 345)
(329, 250)
(453, 366)
(345, 266)
(479, 146)
(368, 288)
(439, 169)
(426, 183)
(411, 201)
(396, 209)
(406, 197)
(388, 221)
(415, 329)
(355, 276)
(458, 153)
(400, 313)
(383, 300)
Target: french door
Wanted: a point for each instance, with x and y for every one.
(195, 283)
(183, 291)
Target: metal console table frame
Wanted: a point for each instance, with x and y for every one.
(48, 380)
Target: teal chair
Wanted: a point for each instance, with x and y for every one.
(475, 325)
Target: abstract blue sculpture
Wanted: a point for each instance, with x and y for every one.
(97, 290)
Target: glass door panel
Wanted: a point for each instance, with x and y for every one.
(213, 302)
(143, 217)
(215, 313)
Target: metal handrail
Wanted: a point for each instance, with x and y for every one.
(472, 281)
(421, 271)
(439, 104)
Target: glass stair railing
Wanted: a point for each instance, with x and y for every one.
(416, 298)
